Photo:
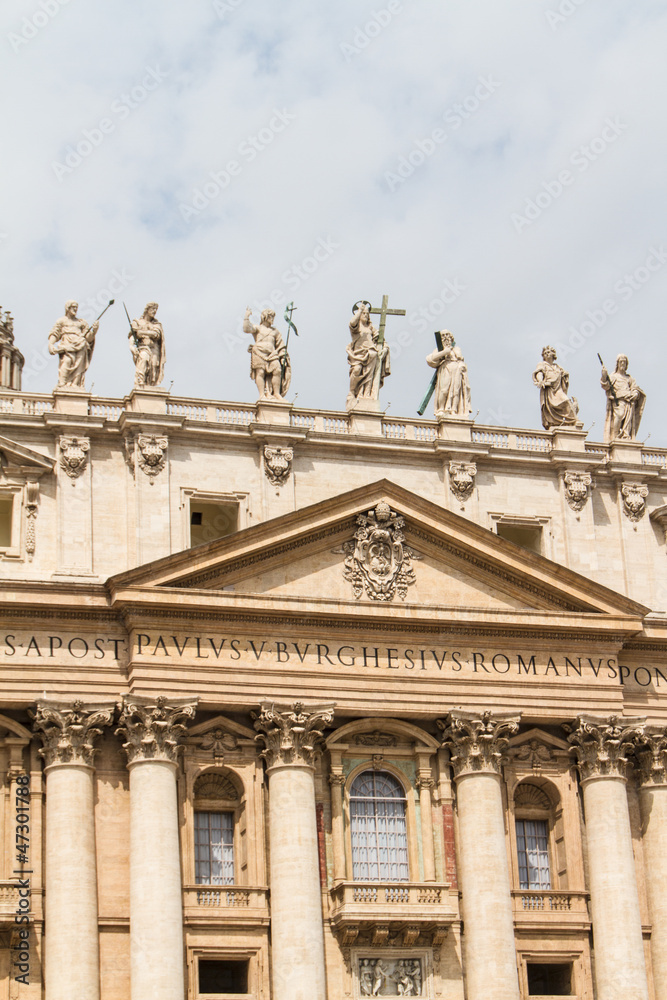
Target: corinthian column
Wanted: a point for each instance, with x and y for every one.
(652, 756)
(71, 941)
(152, 732)
(476, 745)
(291, 738)
(601, 746)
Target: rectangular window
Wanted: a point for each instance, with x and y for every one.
(219, 978)
(526, 535)
(209, 521)
(6, 510)
(214, 848)
(532, 838)
(549, 980)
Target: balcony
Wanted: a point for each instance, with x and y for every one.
(392, 912)
(9, 901)
(240, 905)
(550, 909)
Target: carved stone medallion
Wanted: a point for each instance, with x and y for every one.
(462, 479)
(151, 454)
(73, 455)
(378, 560)
(577, 489)
(634, 500)
(277, 464)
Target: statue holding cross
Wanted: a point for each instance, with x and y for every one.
(367, 353)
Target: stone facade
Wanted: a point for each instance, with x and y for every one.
(304, 705)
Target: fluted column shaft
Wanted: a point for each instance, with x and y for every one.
(600, 746)
(297, 934)
(152, 733)
(652, 756)
(476, 745)
(71, 938)
(425, 783)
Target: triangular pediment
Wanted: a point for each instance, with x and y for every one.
(309, 558)
(14, 456)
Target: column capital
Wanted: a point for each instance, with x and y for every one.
(601, 745)
(153, 729)
(291, 735)
(477, 741)
(650, 751)
(69, 732)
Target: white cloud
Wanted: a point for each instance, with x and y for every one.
(323, 178)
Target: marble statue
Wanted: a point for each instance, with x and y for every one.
(147, 345)
(452, 388)
(73, 340)
(558, 409)
(269, 361)
(625, 402)
(367, 356)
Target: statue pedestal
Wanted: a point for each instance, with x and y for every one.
(147, 399)
(568, 439)
(273, 411)
(455, 428)
(365, 416)
(73, 400)
(626, 453)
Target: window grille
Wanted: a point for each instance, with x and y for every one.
(532, 838)
(214, 848)
(379, 831)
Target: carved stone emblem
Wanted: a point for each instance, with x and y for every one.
(534, 753)
(376, 739)
(380, 977)
(219, 742)
(378, 560)
(31, 508)
(577, 488)
(151, 454)
(73, 455)
(277, 464)
(634, 500)
(462, 479)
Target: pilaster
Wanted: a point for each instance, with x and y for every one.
(651, 755)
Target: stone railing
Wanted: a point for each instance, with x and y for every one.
(552, 905)
(390, 901)
(228, 901)
(9, 900)
(321, 421)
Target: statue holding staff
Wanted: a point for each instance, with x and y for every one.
(73, 340)
(367, 356)
(269, 361)
(146, 339)
(625, 402)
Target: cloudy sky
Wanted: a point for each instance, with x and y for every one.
(496, 168)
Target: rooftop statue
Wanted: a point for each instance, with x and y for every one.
(6, 328)
(148, 348)
(73, 340)
(269, 361)
(452, 388)
(625, 402)
(558, 409)
(367, 355)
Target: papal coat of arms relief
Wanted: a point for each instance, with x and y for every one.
(378, 560)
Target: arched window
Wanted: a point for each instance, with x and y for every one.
(378, 827)
(216, 800)
(532, 810)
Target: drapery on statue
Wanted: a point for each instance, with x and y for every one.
(452, 388)
(625, 402)
(73, 340)
(558, 409)
(269, 361)
(367, 356)
(146, 338)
